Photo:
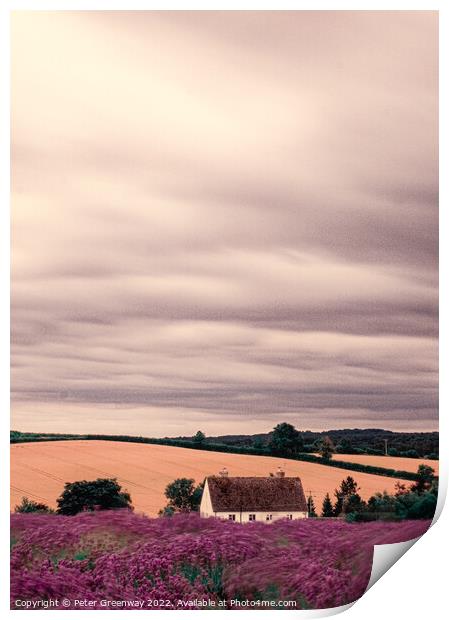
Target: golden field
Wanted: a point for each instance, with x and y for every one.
(39, 470)
(391, 462)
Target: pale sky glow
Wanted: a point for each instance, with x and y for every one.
(224, 220)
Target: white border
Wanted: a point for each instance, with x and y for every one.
(395, 595)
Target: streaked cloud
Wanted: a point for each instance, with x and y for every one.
(224, 219)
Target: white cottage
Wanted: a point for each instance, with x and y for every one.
(245, 499)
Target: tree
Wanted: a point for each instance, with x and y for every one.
(285, 440)
(425, 478)
(345, 446)
(28, 505)
(424, 507)
(420, 500)
(382, 503)
(327, 448)
(311, 507)
(258, 443)
(355, 503)
(415, 506)
(199, 438)
(400, 488)
(434, 487)
(100, 494)
(348, 488)
(411, 454)
(327, 509)
(183, 496)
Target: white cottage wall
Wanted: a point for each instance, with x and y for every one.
(206, 509)
(260, 516)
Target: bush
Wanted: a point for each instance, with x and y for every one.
(366, 517)
(375, 452)
(28, 505)
(414, 506)
(382, 503)
(411, 454)
(424, 507)
(416, 502)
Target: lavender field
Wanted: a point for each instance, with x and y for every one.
(117, 559)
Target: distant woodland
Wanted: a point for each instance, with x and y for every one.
(353, 441)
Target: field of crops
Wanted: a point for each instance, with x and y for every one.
(120, 559)
(392, 462)
(39, 470)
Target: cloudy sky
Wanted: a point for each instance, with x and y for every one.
(224, 220)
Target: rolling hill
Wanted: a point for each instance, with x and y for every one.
(39, 470)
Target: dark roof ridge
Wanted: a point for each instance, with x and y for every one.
(253, 478)
(257, 493)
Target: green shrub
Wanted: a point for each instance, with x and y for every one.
(28, 505)
(414, 506)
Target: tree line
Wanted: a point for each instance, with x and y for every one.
(418, 501)
(350, 441)
(284, 441)
(346, 441)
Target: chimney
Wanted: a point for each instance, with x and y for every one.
(280, 473)
(224, 472)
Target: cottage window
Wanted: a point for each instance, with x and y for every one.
(252, 517)
(269, 517)
(231, 517)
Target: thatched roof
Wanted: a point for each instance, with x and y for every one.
(256, 494)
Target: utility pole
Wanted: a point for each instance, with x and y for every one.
(310, 499)
(386, 447)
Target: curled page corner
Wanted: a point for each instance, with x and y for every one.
(385, 556)
(442, 492)
(383, 559)
(333, 611)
